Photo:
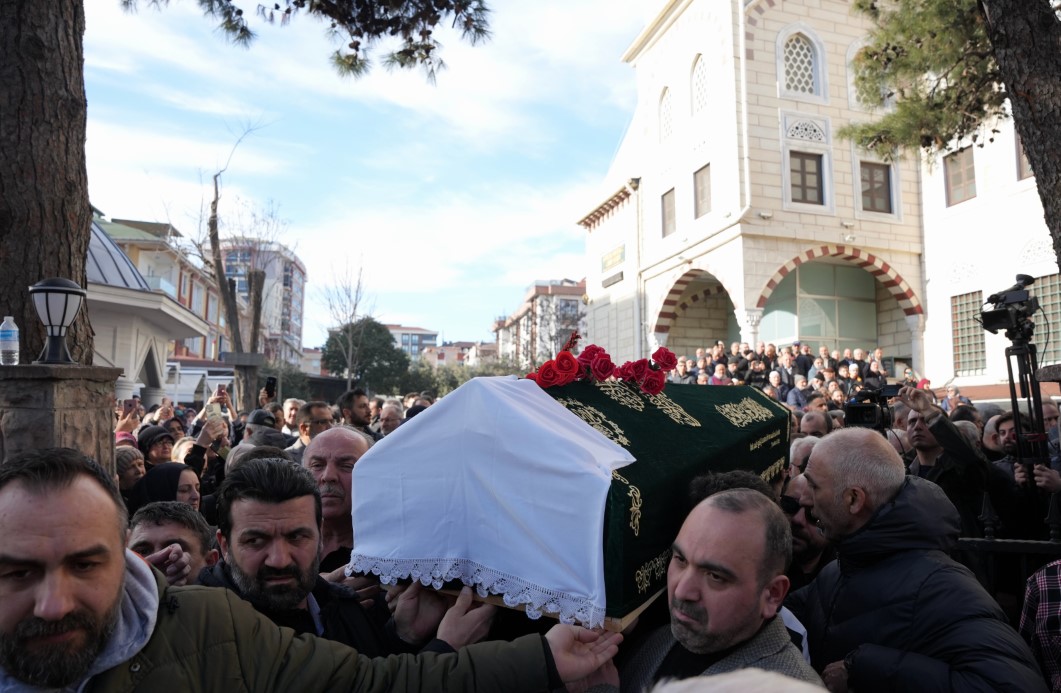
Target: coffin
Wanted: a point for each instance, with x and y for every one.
(562, 501)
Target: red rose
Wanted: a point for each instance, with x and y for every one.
(532, 376)
(623, 372)
(602, 367)
(665, 359)
(548, 375)
(588, 354)
(653, 382)
(638, 370)
(568, 367)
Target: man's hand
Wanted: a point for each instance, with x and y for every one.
(1020, 474)
(417, 612)
(835, 677)
(212, 430)
(366, 586)
(174, 562)
(607, 675)
(1047, 479)
(918, 400)
(465, 622)
(263, 398)
(578, 651)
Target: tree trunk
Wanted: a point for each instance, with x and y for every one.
(228, 293)
(1025, 35)
(45, 215)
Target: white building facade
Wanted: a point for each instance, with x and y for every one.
(983, 226)
(551, 310)
(733, 211)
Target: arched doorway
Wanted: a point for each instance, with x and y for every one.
(696, 313)
(843, 298)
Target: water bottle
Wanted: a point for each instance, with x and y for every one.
(8, 342)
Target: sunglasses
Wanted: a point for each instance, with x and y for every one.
(789, 505)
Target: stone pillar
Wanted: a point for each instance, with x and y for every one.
(916, 324)
(123, 388)
(45, 406)
(749, 326)
(150, 396)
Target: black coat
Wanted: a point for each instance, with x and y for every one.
(907, 617)
(369, 631)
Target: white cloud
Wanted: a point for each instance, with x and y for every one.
(366, 168)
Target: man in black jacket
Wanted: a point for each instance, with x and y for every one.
(894, 611)
(269, 519)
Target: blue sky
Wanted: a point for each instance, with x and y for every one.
(454, 196)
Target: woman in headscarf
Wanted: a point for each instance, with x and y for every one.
(166, 482)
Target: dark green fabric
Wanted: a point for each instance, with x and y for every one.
(684, 432)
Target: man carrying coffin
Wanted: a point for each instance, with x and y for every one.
(725, 584)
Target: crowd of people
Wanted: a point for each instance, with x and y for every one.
(842, 573)
(794, 375)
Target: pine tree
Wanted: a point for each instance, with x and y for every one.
(949, 69)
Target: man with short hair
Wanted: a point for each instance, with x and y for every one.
(165, 523)
(895, 612)
(725, 585)
(681, 375)
(390, 418)
(816, 423)
(330, 458)
(312, 418)
(78, 611)
(269, 519)
(291, 407)
(356, 413)
(810, 551)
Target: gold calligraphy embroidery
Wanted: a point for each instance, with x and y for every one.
(595, 418)
(622, 393)
(745, 412)
(635, 503)
(673, 410)
(764, 440)
(773, 470)
(654, 569)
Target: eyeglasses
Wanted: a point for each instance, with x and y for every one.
(789, 505)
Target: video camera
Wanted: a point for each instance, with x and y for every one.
(869, 408)
(1012, 310)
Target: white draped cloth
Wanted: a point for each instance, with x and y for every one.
(496, 485)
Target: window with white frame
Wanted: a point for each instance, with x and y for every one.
(806, 176)
(700, 85)
(960, 176)
(967, 334)
(801, 65)
(702, 191)
(876, 187)
(666, 120)
(667, 210)
(1048, 291)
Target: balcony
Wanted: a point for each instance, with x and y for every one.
(162, 284)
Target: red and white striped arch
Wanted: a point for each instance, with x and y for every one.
(885, 274)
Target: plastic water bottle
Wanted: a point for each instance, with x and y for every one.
(8, 342)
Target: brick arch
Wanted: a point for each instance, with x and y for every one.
(673, 306)
(880, 269)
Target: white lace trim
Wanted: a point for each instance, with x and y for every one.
(515, 592)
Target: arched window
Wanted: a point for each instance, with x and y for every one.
(666, 119)
(699, 85)
(801, 66)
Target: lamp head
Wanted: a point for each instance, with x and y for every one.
(57, 302)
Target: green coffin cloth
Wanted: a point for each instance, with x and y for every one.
(683, 432)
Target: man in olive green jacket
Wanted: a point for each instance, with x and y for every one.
(79, 612)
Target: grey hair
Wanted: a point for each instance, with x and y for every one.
(969, 431)
(862, 458)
